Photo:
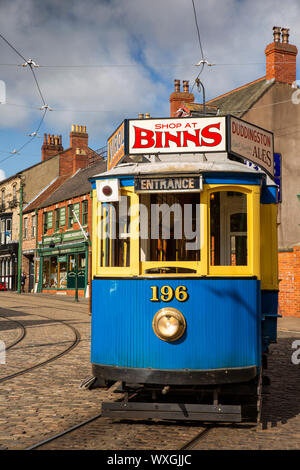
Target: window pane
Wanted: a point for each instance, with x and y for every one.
(228, 229)
(173, 228)
(63, 274)
(53, 272)
(115, 237)
(46, 272)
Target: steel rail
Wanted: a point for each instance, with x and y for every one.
(63, 433)
(51, 359)
(20, 337)
(193, 442)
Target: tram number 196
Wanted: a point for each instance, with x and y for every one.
(167, 293)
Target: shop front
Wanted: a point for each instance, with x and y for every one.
(63, 267)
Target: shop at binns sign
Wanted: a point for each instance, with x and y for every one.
(183, 135)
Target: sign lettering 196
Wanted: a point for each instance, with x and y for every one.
(167, 293)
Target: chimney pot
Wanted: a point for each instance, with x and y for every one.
(177, 86)
(147, 115)
(141, 116)
(285, 35)
(276, 33)
(186, 86)
(281, 57)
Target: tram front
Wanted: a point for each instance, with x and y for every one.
(177, 273)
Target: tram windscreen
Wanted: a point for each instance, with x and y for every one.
(228, 229)
(170, 227)
(115, 234)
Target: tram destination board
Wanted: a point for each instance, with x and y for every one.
(168, 184)
(251, 143)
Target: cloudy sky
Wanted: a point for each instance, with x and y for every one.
(108, 60)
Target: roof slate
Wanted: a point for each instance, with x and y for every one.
(36, 203)
(240, 100)
(76, 185)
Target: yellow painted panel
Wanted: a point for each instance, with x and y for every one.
(269, 249)
(253, 240)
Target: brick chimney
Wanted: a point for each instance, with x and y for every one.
(281, 57)
(178, 98)
(79, 137)
(51, 146)
(79, 146)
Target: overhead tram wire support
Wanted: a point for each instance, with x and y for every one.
(31, 64)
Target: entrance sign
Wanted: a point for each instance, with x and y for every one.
(184, 135)
(168, 184)
(252, 143)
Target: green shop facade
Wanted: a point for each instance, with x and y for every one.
(63, 263)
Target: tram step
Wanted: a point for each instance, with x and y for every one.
(177, 411)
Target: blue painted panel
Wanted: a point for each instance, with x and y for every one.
(222, 315)
(268, 195)
(232, 178)
(269, 308)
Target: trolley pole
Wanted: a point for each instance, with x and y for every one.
(20, 238)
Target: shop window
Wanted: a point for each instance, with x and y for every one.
(46, 272)
(84, 212)
(53, 272)
(62, 271)
(228, 229)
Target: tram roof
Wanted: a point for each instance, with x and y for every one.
(196, 164)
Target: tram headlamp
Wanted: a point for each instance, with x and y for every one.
(169, 324)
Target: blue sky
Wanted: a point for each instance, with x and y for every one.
(144, 47)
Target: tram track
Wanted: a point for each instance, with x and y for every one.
(20, 337)
(192, 444)
(74, 343)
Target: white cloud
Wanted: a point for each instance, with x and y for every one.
(148, 35)
(2, 175)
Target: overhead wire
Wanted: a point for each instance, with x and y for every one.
(200, 45)
(45, 107)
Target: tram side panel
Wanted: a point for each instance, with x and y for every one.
(223, 324)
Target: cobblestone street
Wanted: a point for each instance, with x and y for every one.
(47, 400)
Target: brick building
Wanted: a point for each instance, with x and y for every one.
(62, 248)
(32, 180)
(270, 102)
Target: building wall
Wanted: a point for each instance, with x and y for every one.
(289, 275)
(276, 112)
(39, 176)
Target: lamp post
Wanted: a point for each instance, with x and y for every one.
(20, 234)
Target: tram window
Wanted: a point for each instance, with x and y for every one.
(170, 227)
(228, 229)
(115, 236)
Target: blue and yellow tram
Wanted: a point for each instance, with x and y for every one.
(185, 283)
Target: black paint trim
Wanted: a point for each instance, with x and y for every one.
(174, 377)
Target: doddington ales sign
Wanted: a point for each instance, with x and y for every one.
(192, 135)
(252, 143)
